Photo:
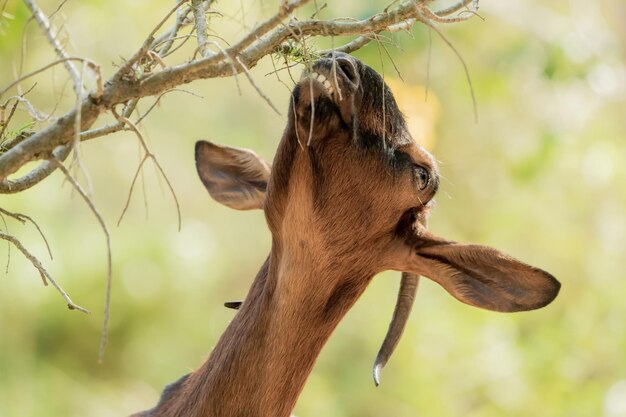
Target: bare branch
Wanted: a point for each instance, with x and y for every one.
(112, 128)
(462, 60)
(258, 90)
(22, 218)
(92, 65)
(265, 39)
(132, 187)
(6, 228)
(32, 111)
(199, 12)
(157, 101)
(126, 68)
(167, 39)
(107, 303)
(43, 22)
(149, 154)
(45, 276)
(36, 175)
(5, 123)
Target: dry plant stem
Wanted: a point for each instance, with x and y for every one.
(107, 302)
(42, 271)
(32, 111)
(156, 102)
(382, 90)
(258, 90)
(430, 50)
(264, 40)
(393, 63)
(112, 128)
(6, 228)
(22, 218)
(462, 60)
(90, 63)
(262, 29)
(132, 187)
(77, 128)
(44, 23)
(5, 124)
(58, 9)
(149, 154)
(61, 152)
(167, 39)
(127, 67)
(232, 64)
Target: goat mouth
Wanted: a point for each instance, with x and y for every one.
(320, 83)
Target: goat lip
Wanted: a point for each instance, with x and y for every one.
(319, 82)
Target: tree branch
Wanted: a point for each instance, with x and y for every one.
(42, 271)
(44, 23)
(265, 39)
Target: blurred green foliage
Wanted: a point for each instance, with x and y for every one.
(541, 176)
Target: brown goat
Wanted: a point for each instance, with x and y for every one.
(346, 198)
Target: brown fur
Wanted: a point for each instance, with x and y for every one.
(342, 209)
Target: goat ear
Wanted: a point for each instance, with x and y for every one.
(481, 276)
(234, 177)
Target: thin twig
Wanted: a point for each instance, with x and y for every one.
(57, 10)
(36, 175)
(158, 100)
(126, 68)
(22, 218)
(6, 228)
(462, 60)
(232, 63)
(265, 39)
(167, 39)
(45, 276)
(132, 186)
(129, 108)
(44, 23)
(32, 111)
(45, 67)
(393, 63)
(258, 90)
(107, 302)
(430, 50)
(150, 155)
(77, 160)
(5, 124)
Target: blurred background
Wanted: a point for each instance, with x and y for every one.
(541, 176)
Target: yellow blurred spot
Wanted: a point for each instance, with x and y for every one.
(421, 115)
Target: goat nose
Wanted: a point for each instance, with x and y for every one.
(423, 177)
(334, 54)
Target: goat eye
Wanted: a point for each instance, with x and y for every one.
(421, 176)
